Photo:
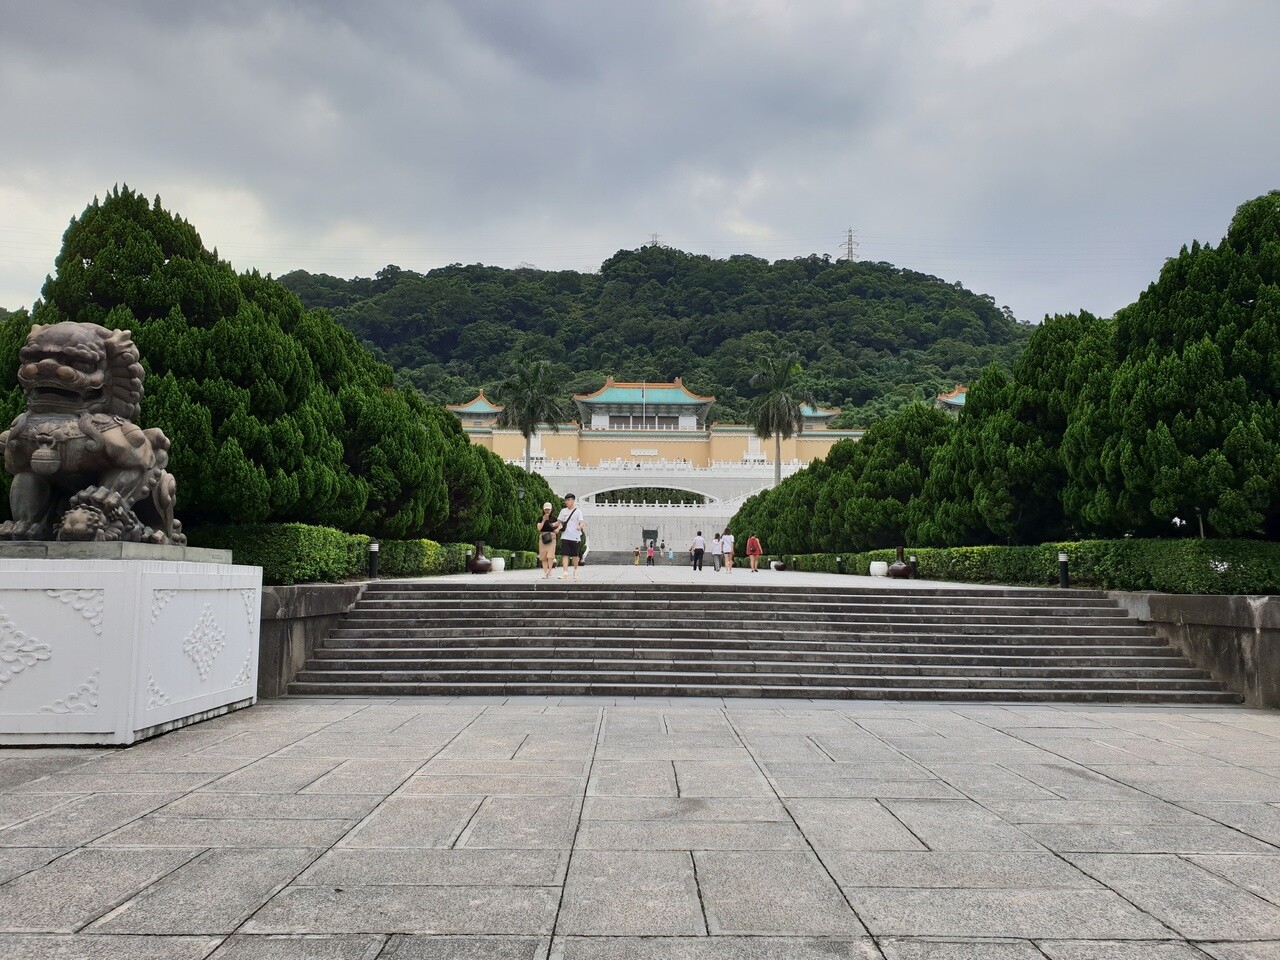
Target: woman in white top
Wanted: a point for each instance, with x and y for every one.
(717, 553)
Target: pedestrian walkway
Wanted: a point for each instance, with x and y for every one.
(586, 829)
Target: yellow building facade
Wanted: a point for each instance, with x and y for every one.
(648, 423)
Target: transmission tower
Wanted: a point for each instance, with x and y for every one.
(654, 241)
(850, 246)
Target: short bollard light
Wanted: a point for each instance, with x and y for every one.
(373, 559)
(1064, 578)
(839, 564)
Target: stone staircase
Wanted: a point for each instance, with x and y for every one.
(408, 638)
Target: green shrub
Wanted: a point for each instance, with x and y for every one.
(1160, 566)
(290, 552)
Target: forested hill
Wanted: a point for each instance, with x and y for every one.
(871, 336)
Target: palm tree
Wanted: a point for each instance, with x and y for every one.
(530, 397)
(776, 412)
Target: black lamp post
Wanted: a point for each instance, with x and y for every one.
(373, 559)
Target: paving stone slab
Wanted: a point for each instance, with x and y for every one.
(466, 948)
(720, 778)
(69, 893)
(1019, 914)
(344, 867)
(300, 948)
(56, 947)
(753, 892)
(1260, 820)
(713, 948)
(1189, 899)
(374, 777)
(1109, 813)
(85, 783)
(1119, 950)
(270, 806)
(423, 910)
(214, 893)
(925, 949)
(414, 822)
(15, 861)
(952, 870)
(14, 808)
(1257, 874)
(1144, 838)
(631, 893)
(161, 831)
(989, 782)
(848, 789)
(82, 820)
(1257, 950)
(723, 809)
(274, 775)
(523, 823)
(851, 825)
(959, 825)
(491, 785)
(642, 835)
(632, 778)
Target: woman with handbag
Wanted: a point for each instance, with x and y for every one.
(548, 525)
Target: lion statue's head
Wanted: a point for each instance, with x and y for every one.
(81, 368)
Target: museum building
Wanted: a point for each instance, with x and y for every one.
(648, 423)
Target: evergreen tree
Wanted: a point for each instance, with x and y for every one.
(776, 412)
(1191, 417)
(531, 397)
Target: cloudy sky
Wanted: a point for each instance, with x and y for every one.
(1050, 153)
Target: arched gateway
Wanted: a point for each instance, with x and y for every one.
(652, 436)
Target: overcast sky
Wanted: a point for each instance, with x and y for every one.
(1050, 153)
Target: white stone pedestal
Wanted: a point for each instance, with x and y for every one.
(113, 651)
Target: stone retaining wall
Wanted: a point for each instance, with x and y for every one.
(294, 620)
(1237, 639)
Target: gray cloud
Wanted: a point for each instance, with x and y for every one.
(1048, 154)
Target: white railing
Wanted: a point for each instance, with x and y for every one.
(543, 465)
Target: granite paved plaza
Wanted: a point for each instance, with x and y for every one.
(595, 830)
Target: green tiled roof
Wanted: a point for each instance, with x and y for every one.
(480, 404)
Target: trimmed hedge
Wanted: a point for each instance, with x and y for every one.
(1159, 566)
(298, 553)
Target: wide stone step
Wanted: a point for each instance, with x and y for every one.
(1064, 644)
(847, 692)
(738, 601)
(633, 664)
(579, 589)
(737, 630)
(1033, 656)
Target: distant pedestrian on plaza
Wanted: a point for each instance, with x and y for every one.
(571, 530)
(754, 552)
(717, 553)
(697, 549)
(726, 545)
(648, 555)
(547, 526)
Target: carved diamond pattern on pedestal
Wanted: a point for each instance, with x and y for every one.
(250, 608)
(205, 642)
(17, 650)
(158, 600)
(246, 671)
(88, 603)
(84, 700)
(155, 696)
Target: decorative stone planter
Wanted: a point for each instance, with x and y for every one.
(110, 651)
(879, 568)
(499, 564)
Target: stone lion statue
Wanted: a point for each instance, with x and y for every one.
(82, 470)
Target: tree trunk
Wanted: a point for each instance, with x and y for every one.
(777, 459)
(528, 452)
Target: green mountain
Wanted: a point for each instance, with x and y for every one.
(872, 336)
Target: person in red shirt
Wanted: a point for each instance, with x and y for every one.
(754, 552)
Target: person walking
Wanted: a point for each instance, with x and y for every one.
(571, 530)
(648, 555)
(754, 552)
(547, 527)
(717, 553)
(697, 549)
(726, 547)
